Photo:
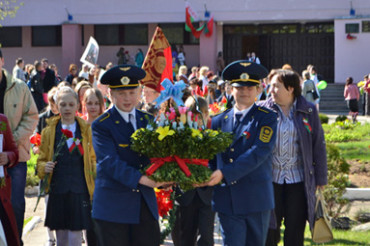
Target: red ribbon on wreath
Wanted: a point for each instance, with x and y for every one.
(160, 161)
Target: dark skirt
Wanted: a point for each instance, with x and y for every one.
(70, 211)
(352, 105)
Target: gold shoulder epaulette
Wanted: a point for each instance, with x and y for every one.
(145, 112)
(104, 117)
(220, 112)
(263, 110)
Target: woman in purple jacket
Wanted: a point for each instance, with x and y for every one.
(299, 158)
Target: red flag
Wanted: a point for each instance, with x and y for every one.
(158, 61)
(195, 32)
(209, 28)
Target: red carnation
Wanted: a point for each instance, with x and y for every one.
(224, 100)
(36, 139)
(67, 133)
(165, 204)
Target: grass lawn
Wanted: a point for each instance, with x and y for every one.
(355, 150)
(341, 238)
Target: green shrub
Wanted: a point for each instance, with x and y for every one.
(32, 179)
(338, 170)
(342, 136)
(341, 118)
(324, 118)
(31, 163)
(345, 131)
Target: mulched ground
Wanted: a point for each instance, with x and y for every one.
(359, 174)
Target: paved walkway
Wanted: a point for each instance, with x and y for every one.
(38, 236)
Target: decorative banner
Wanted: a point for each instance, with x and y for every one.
(91, 53)
(158, 61)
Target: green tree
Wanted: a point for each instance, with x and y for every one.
(8, 8)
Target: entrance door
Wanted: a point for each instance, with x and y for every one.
(296, 44)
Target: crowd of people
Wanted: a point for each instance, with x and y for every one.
(270, 173)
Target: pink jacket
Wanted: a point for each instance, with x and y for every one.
(351, 92)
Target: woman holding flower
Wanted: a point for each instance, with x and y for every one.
(67, 158)
(8, 157)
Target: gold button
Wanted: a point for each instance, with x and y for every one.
(232, 149)
(231, 160)
(133, 190)
(137, 191)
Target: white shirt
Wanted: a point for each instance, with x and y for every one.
(243, 112)
(84, 74)
(228, 96)
(72, 128)
(205, 82)
(126, 116)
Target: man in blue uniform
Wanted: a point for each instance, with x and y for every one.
(244, 199)
(124, 205)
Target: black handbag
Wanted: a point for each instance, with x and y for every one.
(314, 94)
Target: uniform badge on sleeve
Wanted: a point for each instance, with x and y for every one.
(266, 134)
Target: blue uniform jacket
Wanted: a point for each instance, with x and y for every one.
(117, 195)
(246, 164)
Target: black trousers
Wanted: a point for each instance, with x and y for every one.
(195, 219)
(290, 204)
(146, 233)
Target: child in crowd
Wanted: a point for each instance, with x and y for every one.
(71, 172)
(51, 111)
(352, 96)
(92, 104)
(80, 89)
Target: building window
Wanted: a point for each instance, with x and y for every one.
(132, 34)
(176, 33)
(270, 29)
(365, 26)
(107, 34)
(135, 34)
(352, 28)
(288, 29)
(11, 36)
(46, 36)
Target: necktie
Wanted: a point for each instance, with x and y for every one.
(238, 116)
(132, 121)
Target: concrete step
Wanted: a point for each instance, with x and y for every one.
(332, 100)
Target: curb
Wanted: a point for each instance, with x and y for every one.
(357, 194)
(30, 225)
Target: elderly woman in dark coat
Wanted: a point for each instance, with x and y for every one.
(299, 158)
